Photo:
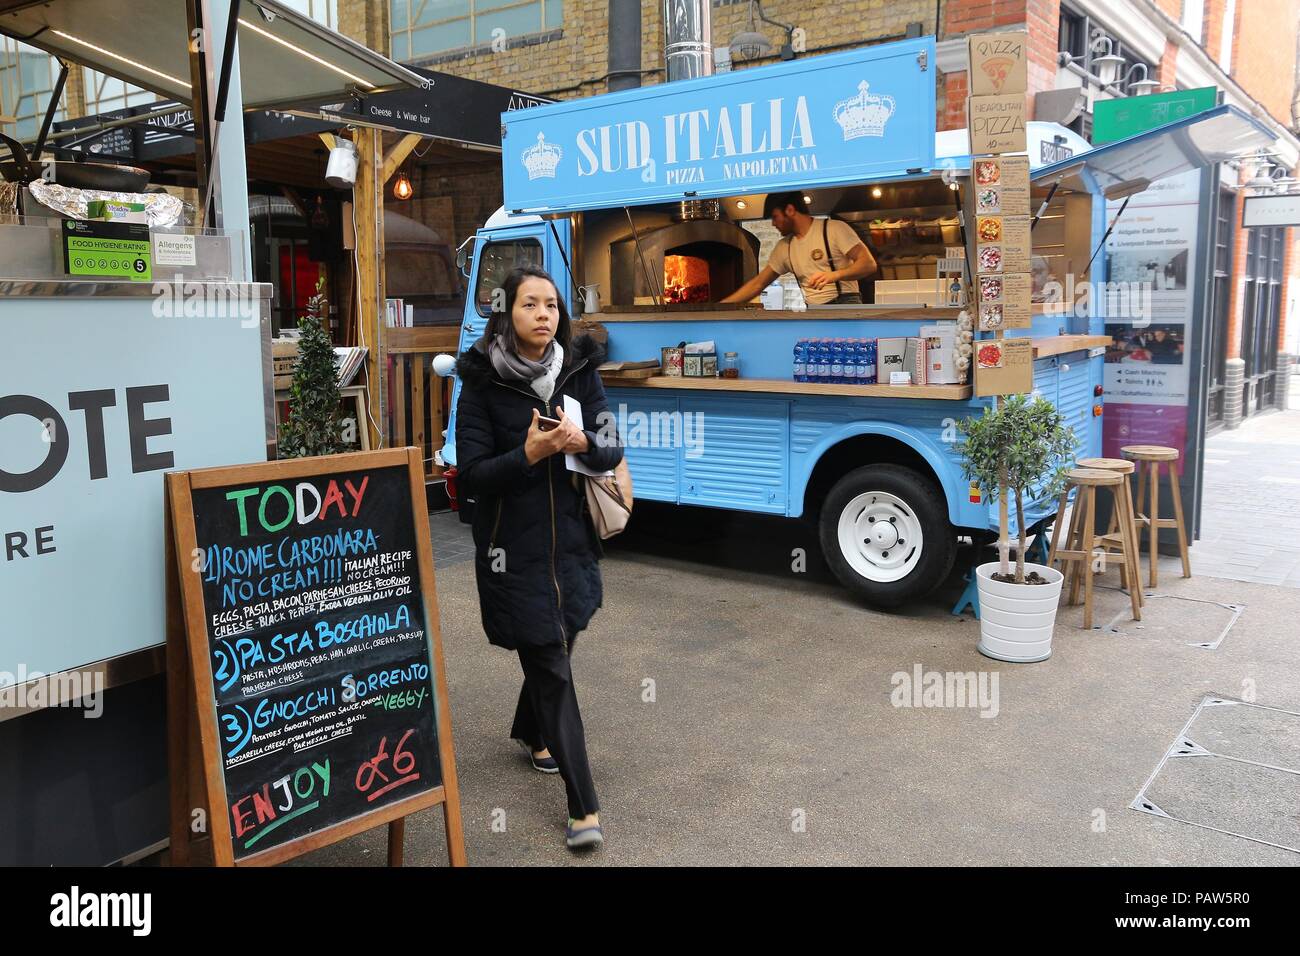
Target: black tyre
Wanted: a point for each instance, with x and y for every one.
(885, 533)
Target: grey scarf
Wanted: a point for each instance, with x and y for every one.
(513, 367)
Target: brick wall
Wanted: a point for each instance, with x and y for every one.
(572, 61)
(1264, 54)
(979, 16)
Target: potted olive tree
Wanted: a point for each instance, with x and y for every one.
(1022, 447)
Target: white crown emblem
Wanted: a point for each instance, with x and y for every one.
(543, 159)
(865, 114)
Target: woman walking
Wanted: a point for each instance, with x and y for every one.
(536, 550)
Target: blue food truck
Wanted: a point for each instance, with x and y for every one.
(654, 196)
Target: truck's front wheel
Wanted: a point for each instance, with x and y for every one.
(885, 534)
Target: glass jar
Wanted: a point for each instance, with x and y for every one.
(730, 365)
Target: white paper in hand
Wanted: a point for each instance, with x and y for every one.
(573, 409)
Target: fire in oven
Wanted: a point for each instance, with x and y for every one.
(695, 261)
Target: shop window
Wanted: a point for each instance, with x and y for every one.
(105, 93)
(422, 28)
(496, 262)
(26, 83)
(325, 12)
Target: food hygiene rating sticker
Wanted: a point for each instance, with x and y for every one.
(117, 249)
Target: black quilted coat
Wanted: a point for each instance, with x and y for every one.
(535, 549)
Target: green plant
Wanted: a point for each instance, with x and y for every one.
(315, 423)
(1025, 444)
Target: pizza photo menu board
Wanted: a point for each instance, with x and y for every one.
(312, 619)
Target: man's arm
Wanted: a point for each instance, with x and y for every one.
(861, 264)
(754, 286)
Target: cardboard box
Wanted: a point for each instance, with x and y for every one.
(999, 63)
(1003, 366)
(1000, 186)
(997, 123)
(284, 357)
(890, 355)
(1009, 246)
(110, 210)
(1011, 173)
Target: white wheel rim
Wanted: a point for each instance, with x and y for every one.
(880, 536)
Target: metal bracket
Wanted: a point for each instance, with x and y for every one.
(923, 61)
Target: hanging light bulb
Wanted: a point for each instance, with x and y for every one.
(319, 217)
(876, 192)
(402, 189)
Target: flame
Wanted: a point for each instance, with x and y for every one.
(686, 279)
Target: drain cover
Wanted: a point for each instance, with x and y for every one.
(1234, 769)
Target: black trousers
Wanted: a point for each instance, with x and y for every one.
(547, 717)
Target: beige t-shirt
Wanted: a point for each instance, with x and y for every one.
(807, 256)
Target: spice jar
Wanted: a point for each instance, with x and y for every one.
(730, 365)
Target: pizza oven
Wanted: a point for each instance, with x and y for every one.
(694, 260)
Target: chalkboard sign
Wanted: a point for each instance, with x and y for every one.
(313, 651)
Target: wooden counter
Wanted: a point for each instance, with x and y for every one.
(1061, 344)
(857, 313)
(784, 387)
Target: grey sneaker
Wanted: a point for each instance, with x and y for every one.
(584, 839)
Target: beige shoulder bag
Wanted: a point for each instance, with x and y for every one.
(609, 499)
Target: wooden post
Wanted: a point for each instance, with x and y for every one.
(374, 168)
(368, 216)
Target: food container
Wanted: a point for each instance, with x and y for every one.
(929, 231)
(951, 231)
(730, 365)
(670, 360)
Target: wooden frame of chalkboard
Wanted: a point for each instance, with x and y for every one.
(203, 819)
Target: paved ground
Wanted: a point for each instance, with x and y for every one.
(739, 713)
(1250, 524)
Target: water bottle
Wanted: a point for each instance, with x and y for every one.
(800, 360)
(823, 360)
(866, 363)
(855, 362)
(837, 361)
(859, 362)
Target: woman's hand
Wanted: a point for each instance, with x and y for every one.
(543, 444)
(575, 439)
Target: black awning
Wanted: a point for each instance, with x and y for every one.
(453, 108)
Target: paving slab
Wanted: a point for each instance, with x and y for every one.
(739, 712)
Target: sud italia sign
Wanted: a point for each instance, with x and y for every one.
(819, 121)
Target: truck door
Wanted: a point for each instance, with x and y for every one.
(496, 253)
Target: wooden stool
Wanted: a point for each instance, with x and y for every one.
(1082, 540)
(1148, 459)
(1112, 542)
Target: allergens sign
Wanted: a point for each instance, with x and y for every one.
(107, 249)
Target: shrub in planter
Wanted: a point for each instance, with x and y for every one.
(315, 423)
(1023, 446)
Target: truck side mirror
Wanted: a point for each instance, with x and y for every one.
(462, 255)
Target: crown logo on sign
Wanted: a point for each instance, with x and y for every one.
(543, 159)
(865, 114)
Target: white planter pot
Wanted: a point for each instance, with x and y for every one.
(1016, 620)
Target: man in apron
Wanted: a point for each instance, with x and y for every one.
(825, 255)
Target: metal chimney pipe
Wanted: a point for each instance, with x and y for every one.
(624, 45)
(688, 38)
